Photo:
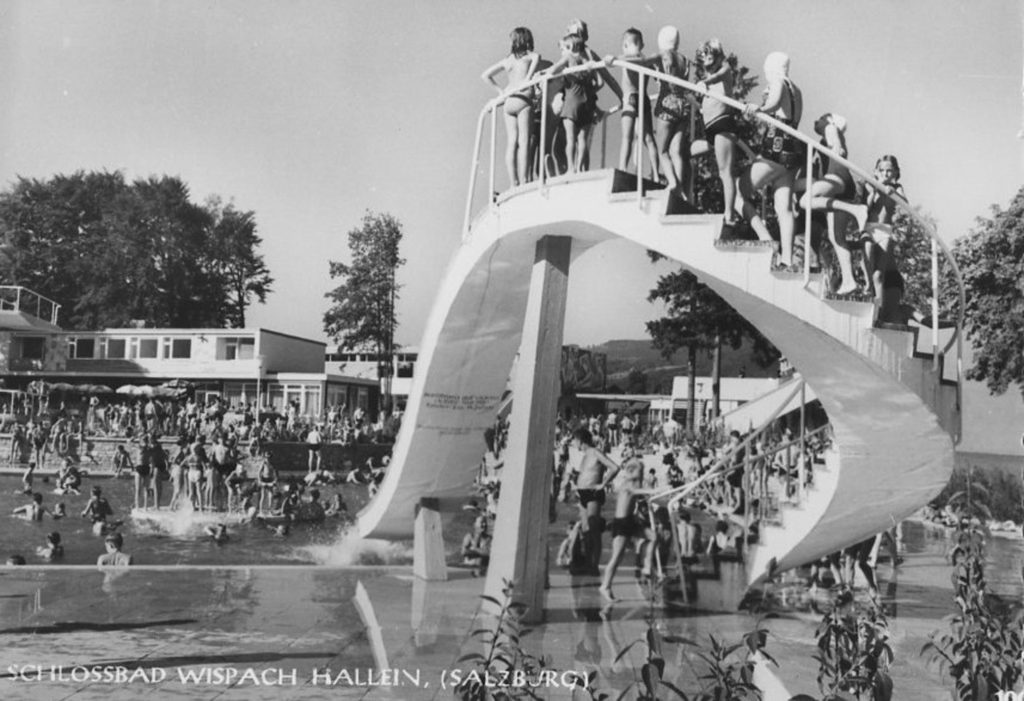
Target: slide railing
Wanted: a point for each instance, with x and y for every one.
(542, 82)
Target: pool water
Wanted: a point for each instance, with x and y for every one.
(179, 540)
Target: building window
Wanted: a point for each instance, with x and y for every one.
(33, 348)
(239, 348)
(81, 347)
(148, 347)
(181, 347)
(116, 348)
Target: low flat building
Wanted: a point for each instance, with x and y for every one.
(240, 365)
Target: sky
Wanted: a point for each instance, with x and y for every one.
(310, 113)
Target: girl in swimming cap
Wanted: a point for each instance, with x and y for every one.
(780, 154)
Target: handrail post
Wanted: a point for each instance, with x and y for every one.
(747, 482)
(641, 96)
(604, 139)
(474, 168)
(809, 180)
(686, 156)
(494, 145)
(543, 136)
(803, 417)
(935, 305)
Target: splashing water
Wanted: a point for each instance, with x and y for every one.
(182, 522)
(351, 549)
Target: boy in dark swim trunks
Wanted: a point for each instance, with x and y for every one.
(625, 526)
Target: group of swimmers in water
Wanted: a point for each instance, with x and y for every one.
(779, 161)
(281, 502)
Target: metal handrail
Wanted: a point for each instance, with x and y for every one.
(542, 78)
(719, 466)
(724, 467)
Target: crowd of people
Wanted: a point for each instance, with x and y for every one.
(774, 159)
(738, 482)
(67, 431)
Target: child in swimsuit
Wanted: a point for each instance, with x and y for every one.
(520, 66)
(26, 478)
(53, 550)
(579, 100)
(266, 480)
(720, 126)
(670, 112)
(194, 477)
(877, 216)
(632, 103)
(832, 184)
(779, 157)
(32, 511)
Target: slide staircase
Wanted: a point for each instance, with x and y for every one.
(891, 392)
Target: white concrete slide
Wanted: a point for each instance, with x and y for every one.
(893, 415)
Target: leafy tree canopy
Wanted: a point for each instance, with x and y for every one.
(111, 251)
(362, 311)
(991, 260)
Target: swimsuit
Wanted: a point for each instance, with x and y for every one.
(825, 168)
(632, 109)
(718, 117)
(778, 146)
(627, 527)
(671, 103)
(588, 495)
(578, 99)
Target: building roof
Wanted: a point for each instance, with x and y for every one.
(12, 320)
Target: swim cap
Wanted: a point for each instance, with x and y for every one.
(668, 38)
(776, 65)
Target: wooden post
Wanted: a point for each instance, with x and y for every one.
(428, 544)
(519, 550)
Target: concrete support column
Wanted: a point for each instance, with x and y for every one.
(519, 549)
(428, 543)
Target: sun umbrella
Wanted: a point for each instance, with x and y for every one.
(126, 389)
(62, 387)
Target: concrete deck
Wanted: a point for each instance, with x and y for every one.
(275, 624)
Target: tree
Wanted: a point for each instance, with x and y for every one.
(242, 270)
(362, 311)
(111, 252)
(698, 319)
(991, 260)
(636, 381)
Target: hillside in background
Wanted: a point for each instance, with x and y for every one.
(625, 356)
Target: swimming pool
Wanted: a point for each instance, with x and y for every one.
(182, 541)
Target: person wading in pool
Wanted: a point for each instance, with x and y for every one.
(595, 472)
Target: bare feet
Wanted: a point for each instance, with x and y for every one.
(848, 288)
(606, 593)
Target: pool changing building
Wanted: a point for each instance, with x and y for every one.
(240, 365)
